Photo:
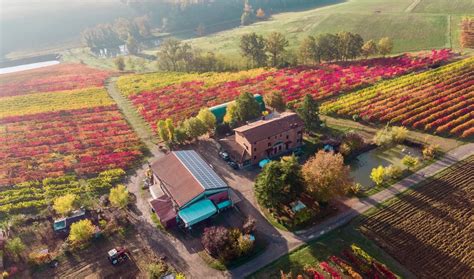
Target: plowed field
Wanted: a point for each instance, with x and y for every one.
(430, 230)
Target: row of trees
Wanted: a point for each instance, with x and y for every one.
(272, 50)
(174, 55)
(121, 31)
(324, 177)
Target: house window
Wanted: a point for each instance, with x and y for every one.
(268, 138)
(299, 132)
(287, 137)
(269, 144)
(255, 157)
(279, 148)
(254, 149)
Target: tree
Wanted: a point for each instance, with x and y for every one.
(201, 30)
(279, 183)
(410, 161)
(309, 51)
(399, 134)
(119, 196)
(245, 244)
(385, 46)
(326, 176)
(229, 116)
(246, 107)
(369, 48)
(180, 136)
(170, 129)
(119, 63)
(388, 136)
(328, 45)
(171, 53)
(275, 45)
(252, 47)
(221, 242)
(81, 232)
(378, 175)
(65, 204)
(194, 128)
(15, 247)
(163, 132)
(309, 112)
(208, 118)
(260, 14)
(275, 100)
(132, 45)
(157, 270)
(349, 45)
(246, 18)
(467, 32)
(430, 151)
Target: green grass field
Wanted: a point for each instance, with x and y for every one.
(426, 25)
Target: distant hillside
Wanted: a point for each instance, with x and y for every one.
(413, 25)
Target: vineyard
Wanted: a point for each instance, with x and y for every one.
(159, 96)
(430, 225)
(440, 101)
(52, 134)
(30, 197)
(50, 79)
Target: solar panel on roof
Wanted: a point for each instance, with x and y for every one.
(203, 173)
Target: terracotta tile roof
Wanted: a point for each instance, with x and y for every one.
(262, 129)
(186, 175)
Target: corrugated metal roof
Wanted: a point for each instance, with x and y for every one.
(201, 171)
(197, 212)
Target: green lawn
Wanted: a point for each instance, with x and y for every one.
(445, 6)
(411, 31)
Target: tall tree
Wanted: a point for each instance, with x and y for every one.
(132, 45)
(208, 118)
(385, 46)
(349, 45)
(65, 204)
(309, 51)
(194, 127)
(252, 47)
(163, 132)
(329, 47)
(119, 63)
(326, 176)
(275, 45)
(280, 182)
(170, 128)
(81, 232)
(275, 100)
(369, 48)
(246, 107)
(168, 54)
(309, 112)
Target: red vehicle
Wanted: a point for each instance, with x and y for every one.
(118, 255)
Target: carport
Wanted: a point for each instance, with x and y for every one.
(197, 212)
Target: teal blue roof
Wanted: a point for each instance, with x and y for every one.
(224, 204)
(219, 111)
(197, 212)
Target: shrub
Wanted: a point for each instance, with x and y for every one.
(249, 225)
(81, 232)
(65, 204)
(393, 171)
(245, 244)
(430, 151)
(157, 270)
(410, 161)
(15, 247)
(378, 175)
(119, 196)
(215, 239)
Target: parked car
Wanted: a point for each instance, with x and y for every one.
(233, 165)
(224, 155)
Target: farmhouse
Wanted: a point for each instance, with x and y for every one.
(186, 190)
(266, 138)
